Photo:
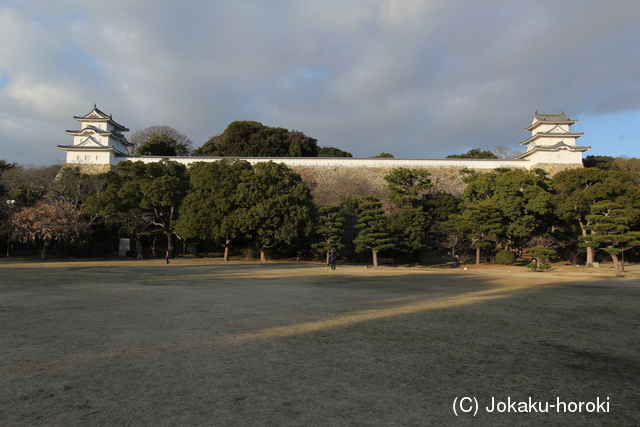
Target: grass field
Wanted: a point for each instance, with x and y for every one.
(200, 342)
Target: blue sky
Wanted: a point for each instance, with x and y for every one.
(415, 78)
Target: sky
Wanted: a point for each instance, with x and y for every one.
(414, 78)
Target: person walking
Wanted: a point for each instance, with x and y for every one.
(333, 256)
(167, 255)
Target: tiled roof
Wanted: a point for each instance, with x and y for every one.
(85, 148)
(554, 147)
(539, 119)
(116, 134)
(551, 134)
(99, 116)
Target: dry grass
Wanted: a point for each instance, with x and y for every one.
(202, 342)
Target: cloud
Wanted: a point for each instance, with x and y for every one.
(417, 78)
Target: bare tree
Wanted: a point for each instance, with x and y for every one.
(183, 144)
(506, 153)
(44, 222)
(30, 183)
(456, 245)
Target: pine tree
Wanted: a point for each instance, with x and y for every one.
(610, 225)
(330, 229)
(372, 223)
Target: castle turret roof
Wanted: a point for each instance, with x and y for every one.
(549, 119)
(98, 116)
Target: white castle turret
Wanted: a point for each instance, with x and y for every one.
(98, 142)
(551, 141)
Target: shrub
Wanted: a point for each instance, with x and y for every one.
(540, 257)
(195, 248)
(251, 253)
(506, 258)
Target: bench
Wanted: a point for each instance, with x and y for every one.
(385, 261)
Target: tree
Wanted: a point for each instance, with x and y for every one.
(409, 225)
(374, 231)
(253, 139)
(408, 189)
(456, 244)
(44, 222)
(481, 223)
(4, 166)
(506, 153)
(133, 223)
(598, 162)
(540, 256)
(211, 209)
(408, 186)
(275, 206)
(333, 152)
(522, 198)
(384, 155)
(330, 229)
(624, 163)
(610, 225)
(577, 190)
(439, 208)
(179, 143)
(156, 188)
(73, 187)
(28, 184)
(158, 145)
(475, 153)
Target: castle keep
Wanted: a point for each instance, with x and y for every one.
(99, 145)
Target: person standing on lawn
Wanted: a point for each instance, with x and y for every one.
(333, 256)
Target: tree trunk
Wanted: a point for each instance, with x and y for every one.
(139, 248)
(327, 261)
(616, 264)
(590, 256)
(171, 237)
(590, 251)
(477, 256)
(263, 255)
(43, 252)
(226, 253)
(375, 257)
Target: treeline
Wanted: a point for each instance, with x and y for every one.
(242, 138)
(230, 205)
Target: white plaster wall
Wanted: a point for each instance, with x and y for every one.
(551, 140)
(354, 162)
(558, 157)
(92, 136)
(89, 157)
(547, 127)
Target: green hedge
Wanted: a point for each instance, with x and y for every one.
(505, 257)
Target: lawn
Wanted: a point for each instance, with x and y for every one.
(201, 342)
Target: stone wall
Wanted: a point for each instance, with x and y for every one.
(554, 168)
(332, 185)
(88, 168)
